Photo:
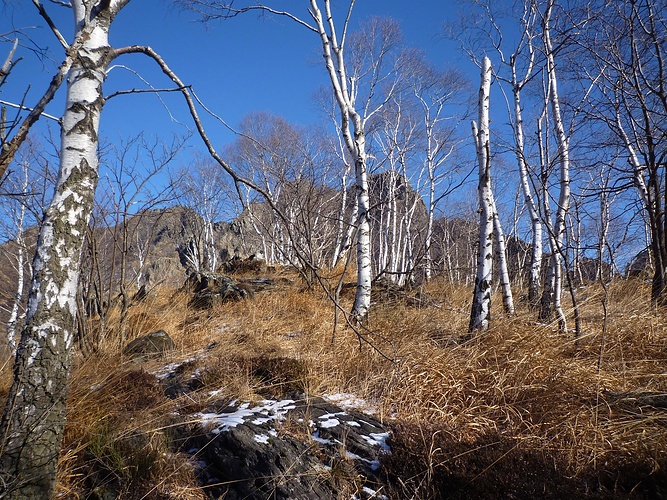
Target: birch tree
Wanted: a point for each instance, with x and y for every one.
(34, 416)
(202, 188)
(624, 55)
(16, 213)
(481, 304)
(516, 68)
(435, 92)
(293, 167)
(24, 193)
(520, 75)
(558, 231)
(355, 75)
(395, 204)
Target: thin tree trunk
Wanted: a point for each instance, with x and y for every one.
(564, 158)
(535, 277)
(481, 305)
(503, 271)
(20, 268)
(352, 128)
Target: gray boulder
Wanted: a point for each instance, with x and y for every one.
(153, 344)
(298, 448)
(211, 289)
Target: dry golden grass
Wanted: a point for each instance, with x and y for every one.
(466, 413)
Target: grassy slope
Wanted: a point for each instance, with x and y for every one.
(519, 412)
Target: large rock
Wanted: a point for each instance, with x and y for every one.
(153, 344)
(299, 448)
(640, 265)
(211, 289)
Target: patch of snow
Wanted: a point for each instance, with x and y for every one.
(272, 410)
(224, 421)
(378, 439)
(330, 415)
(352, 423)
(327, 424)
(329, 420)
(373, 494)
(169, 370)
(316, 437)
(348, 401)
(261, 438)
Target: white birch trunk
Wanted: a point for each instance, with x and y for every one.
(533, 212)
(209, 244)
(362, 298)
(18, 295)
(142, 252)
(34, 417)
(20, 266)
(428, 238)
(352, 128)
(564, 160)
(503, 271)
(481, 305)
(547, 299)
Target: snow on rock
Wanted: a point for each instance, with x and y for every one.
(350, 401)
(378, 439)
(248, 447)
(269, 410)
(262, 438)
(170, 370)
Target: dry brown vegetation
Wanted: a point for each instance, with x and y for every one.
(522, 411)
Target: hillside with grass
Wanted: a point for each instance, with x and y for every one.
(520, 411)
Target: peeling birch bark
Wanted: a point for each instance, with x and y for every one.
(352, 128)
(481, 304)
(34, 416)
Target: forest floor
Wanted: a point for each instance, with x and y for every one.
(520, 411)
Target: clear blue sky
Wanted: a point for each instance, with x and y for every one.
(237, 66)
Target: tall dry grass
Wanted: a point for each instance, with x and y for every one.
(522, 410)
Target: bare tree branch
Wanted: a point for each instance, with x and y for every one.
(47, 18)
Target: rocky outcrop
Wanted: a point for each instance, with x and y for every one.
(640, 265)
(288, 445)
(211, 289)
(296, 448)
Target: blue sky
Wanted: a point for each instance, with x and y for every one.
(247, 64)
(250, 63)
